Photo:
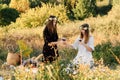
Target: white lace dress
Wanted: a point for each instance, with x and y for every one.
(83, 56)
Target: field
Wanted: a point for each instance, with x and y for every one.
(105, 30)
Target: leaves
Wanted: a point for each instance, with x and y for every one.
(24, 49)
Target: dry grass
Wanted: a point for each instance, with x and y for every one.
(106, 28)
(56, 72)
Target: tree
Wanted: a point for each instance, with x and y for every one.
(7, 15)
(84, 8)
(70, 4)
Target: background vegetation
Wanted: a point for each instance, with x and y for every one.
(27, 23)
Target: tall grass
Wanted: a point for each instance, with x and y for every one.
(106, 29)
(56, 71)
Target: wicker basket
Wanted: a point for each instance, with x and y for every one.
(13, 59)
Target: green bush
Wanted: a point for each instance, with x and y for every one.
(52, 1)
(84, 8)
(37, 16)
(70, 4)
(106, 51)
(8, 15)
(34, 3)
(3, 54)
(5, 1)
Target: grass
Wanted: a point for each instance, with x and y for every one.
(106, 29)
(56, 71)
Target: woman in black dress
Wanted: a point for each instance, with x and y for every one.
(50, 36)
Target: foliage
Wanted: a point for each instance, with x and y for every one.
(24, 49)
(3, 54)
(56, 2)
(103, 10)
(84, 8)
(5, 1)
(8, 15)
(34, 3)
(3, 6)
(70, 4)
(20, 5)
(105, 27)
(56, 71)
(104, 51)
(80, 9)
(37, 16)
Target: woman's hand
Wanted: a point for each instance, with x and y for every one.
(52, 43)
(86, 46)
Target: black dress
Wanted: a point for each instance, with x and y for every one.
(50, 52)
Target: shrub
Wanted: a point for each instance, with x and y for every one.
(24, 49)
(20, 5)
(37, 16)
(52, 1)
(7, 15)
(107, 52)
(84, 8)
(34, 3)
(3, 54)
(69, 4)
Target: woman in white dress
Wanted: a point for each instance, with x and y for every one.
(85, 45)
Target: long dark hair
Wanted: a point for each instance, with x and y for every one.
(86, 28)
(50, 24)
